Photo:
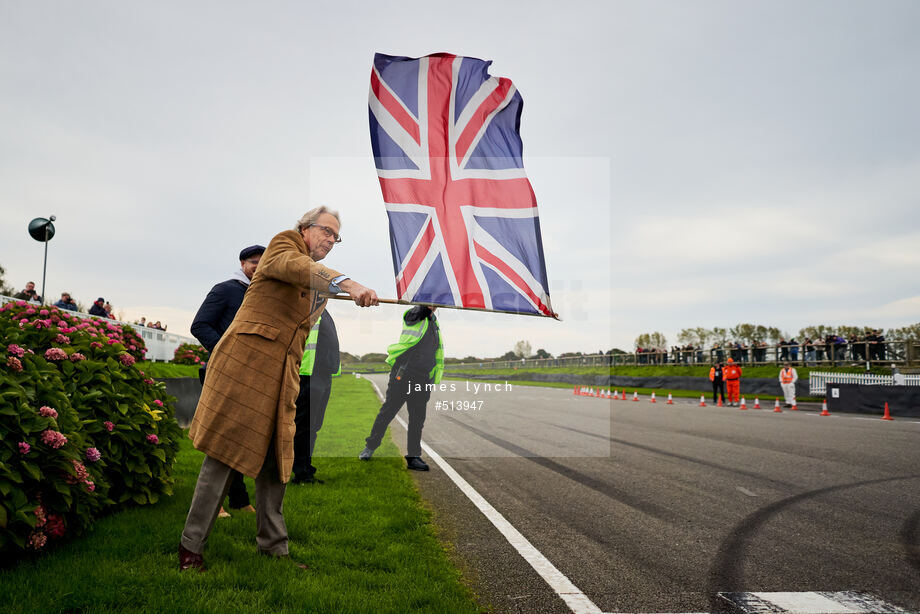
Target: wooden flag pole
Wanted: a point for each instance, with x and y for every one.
(393, 301)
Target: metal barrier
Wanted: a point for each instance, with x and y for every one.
(818, 381)
(161, 345)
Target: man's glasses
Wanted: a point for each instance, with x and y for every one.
(329, 232)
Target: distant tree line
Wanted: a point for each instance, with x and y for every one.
(757, 333)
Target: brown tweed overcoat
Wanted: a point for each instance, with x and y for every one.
(252, 380)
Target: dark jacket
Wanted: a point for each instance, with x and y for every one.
(327, 348)
(97, 310)
(217, 312)
(71, 306)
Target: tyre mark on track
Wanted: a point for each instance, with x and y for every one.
(910, 539)
(599, 486)
(726, 573)
(682, 457)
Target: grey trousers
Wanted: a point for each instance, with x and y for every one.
(213, 484)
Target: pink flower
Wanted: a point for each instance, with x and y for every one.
(95, 345)
(40, 518)
(113, 341)
(158, 402)
(62, 339)
(43, 312)
(90, 486)
(48, 412)
(55, 526)
(53, 439)
(13, 363)
(24, 447)
(93, 455)
(77, 357)
(15, 350)
(126, 359)
(153, 438)
(37, 540)
(149, 381)
(109, 426)
(132, 347)
(55, 354)
(82, 473)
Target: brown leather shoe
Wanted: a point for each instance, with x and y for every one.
(190, 560)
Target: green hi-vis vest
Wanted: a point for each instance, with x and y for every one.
(412, 334)
(309, 353)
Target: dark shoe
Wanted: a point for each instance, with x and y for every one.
(305, 479)
(189, 560)
(286, 558)
(416, 463)
(366, 453)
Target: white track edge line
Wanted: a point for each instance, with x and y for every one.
(575, 599)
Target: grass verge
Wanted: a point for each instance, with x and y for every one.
(167, 369)
(364, 533)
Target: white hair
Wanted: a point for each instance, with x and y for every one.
(313, 214)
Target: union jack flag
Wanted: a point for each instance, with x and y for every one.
(464, 228)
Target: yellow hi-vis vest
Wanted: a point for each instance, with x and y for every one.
(309, 353)
(411, 335)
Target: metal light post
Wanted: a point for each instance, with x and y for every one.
(42, 230)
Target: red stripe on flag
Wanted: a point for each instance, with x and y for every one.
(394, 108)
(492, 102)
(411, 268)
(508, 272)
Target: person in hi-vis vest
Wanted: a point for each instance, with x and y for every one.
(319, 365)
(787, 379)
(416, 360)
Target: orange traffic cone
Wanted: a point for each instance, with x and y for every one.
(794, 406)
(652, 400)
(743, 404)
(887, 415)
(756, 403)
(635, 396)
(575, 390)
(702, 400)
(824, 411)
(670, 400)
(720, 402)
(616, 394)
(776, 409)
(623, 398)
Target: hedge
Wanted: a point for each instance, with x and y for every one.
(82, 430)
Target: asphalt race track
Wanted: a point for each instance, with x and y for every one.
(659, 508)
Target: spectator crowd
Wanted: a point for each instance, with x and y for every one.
(869, 346)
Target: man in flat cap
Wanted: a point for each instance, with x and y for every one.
(245, 416)
(212, 320)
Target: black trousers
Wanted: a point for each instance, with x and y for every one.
(237, 495)
(718, 390)
(311, 410)
(399, 392)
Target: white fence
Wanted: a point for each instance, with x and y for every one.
(161, 345)
(818, 381)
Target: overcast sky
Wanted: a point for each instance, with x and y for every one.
(695, 163)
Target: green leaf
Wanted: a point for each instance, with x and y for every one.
(140, 499)
(160, 454)
(3, 516)
(33, 471)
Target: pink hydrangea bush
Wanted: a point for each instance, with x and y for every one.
(190, 354)
(74, 425)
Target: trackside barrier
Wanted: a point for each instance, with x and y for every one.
(818, 380)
